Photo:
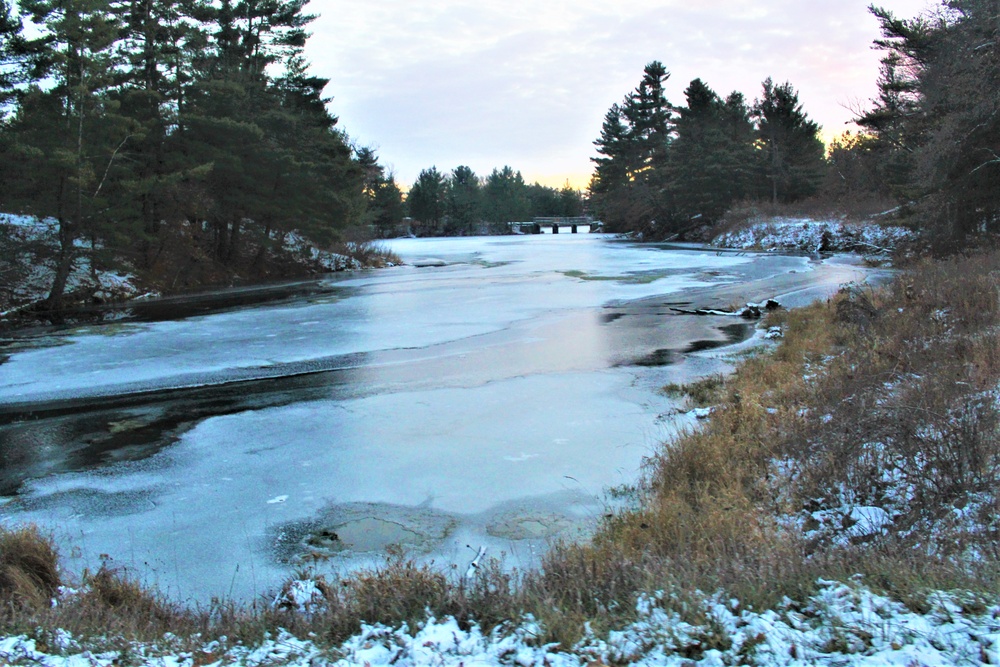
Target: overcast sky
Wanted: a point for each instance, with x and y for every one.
(526, 83)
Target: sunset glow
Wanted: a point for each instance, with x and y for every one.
(526, 84)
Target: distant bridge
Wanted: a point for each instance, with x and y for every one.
(582, 224)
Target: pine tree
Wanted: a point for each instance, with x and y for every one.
(265, 154)
(707, 165)
(627, 187)
(505, 196)
(427, 200)
(384, 198)
(790, 159)
(388, 207)
(465, 200)
(612, 170)
(937, 117)
(571, 201)
(67, 137)
(12, 54)
(543, 201)
(159, 43)
(650, 121)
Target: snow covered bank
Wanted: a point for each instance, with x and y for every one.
(28, 265)
(842, 625)
(814, 236)
(29, 251)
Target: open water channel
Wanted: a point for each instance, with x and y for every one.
(214, 444)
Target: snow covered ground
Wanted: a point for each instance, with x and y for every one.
(814, 236)
(28, 266)
(842, 625)
(29, 249)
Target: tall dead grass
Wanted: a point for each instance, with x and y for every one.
(29, 569)
(906, 417)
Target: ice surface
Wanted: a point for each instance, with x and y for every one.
(404, 307)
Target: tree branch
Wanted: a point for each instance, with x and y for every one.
(108, 168)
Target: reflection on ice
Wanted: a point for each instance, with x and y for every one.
(405, 307)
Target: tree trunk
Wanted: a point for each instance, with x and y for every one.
(220, 236)
(258, 260)
(233, 241)
(64, 265)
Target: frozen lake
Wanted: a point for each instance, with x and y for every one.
(489, 401)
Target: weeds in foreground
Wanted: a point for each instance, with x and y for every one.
(29, 569)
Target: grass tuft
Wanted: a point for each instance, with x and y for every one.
(703, 393)
(29, 568)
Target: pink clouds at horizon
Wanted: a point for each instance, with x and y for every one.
(526, 84)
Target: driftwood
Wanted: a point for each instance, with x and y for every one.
(474, 565)
(751, 311)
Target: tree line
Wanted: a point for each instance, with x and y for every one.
(928, 146)
(176, 132)
(463, 203)
(460, 202)
(664, 169)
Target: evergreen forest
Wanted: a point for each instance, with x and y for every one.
(664, 169)
(176, 133)
(461, 203)
(189, 139)
(927, 151)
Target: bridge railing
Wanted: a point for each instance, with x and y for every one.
(555, 222)
(563, 220)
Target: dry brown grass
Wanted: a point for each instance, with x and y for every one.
(371, 254)
(913, 395)
(107, 603)
(113, 599)
(29, 568)
(702, 393)
(913, 367)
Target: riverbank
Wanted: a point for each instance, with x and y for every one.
(101, 283)
(815, 235)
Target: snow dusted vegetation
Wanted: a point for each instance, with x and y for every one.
(842, 625)
(30, 251)
(810, 235)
